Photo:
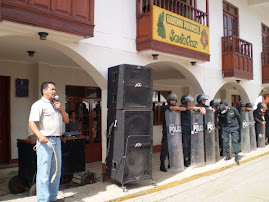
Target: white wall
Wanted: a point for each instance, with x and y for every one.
(114, 43)
(20, 107)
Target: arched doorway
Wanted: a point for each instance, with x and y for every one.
(51, 61)
(232, 92)
(169, 77)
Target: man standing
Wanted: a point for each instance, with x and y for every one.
(241, 108)
(231, 122)
(186, 126)
(267, 124)
(258, 118)
(171, 105)
(201, 100)
(45, 121)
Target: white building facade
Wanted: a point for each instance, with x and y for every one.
(79, 62)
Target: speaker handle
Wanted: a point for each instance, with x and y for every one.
(115, 123)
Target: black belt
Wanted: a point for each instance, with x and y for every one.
(53, 136)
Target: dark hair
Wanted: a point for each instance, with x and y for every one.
(44, 85)
(70, 113)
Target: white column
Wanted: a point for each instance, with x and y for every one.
(104, 123)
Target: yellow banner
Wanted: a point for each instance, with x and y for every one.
(177, 30)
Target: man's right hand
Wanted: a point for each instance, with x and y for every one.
(43, 139)
(203, 110)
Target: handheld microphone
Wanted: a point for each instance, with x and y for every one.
(57, 97)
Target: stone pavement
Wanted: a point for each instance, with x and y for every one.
(110, 191)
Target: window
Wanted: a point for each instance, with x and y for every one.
(159, 101)
(230, 19)
(81, 91)
(265, 38)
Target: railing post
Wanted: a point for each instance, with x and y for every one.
(207, 13)
(151, 4)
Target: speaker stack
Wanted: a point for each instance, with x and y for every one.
(130, 122)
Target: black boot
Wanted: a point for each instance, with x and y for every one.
(228, 157)
(221, 152)
(236, 158)
(162, 167)
(168, 165)
(186, 163)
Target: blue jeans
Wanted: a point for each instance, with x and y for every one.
(46, 166)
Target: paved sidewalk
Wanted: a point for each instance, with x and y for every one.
(109, 191)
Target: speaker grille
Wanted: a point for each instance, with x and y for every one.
(131, 139)
(137, 163)
(135, 75)
(130, 87)
(137, 98)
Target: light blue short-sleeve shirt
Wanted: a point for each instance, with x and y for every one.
(48, 120)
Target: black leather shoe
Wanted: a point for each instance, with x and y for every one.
(163, 168)
(187, 163)
(221, 153)
(228, 157)
(168, 166)
(236, 159)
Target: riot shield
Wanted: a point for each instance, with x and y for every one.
(260, 129)
(252, 133)
(174, 138)
(197, 139)
(245, 135)
(209, 134)
(217, 151)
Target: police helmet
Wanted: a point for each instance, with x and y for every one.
(223, 108)
(172, 96)
(214, 103)
(211, 104)
(201, 97)
(242, 104)
(261, 105)
(186, 98)
(224, 102)
(249, 105)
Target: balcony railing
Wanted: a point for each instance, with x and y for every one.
(237, 59)
(265, 67)
(72, 16)
(178, 7)
(145, 25)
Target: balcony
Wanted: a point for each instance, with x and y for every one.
(174, 27)
(237, 59)
(265, 67)
(71, 16)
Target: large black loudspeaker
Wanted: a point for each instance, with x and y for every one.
(130, 87)
(130, 145)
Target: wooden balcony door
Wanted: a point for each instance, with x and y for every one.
(265, 38)
(230, 19)
(88, 113)
(4, 119)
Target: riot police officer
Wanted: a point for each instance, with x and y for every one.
(242, 106)
(219, 126)
(258, 117)
(267, 124)
(215, 105)
(186, 126)
(231, 122)
(201, 100)
(171, 105)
